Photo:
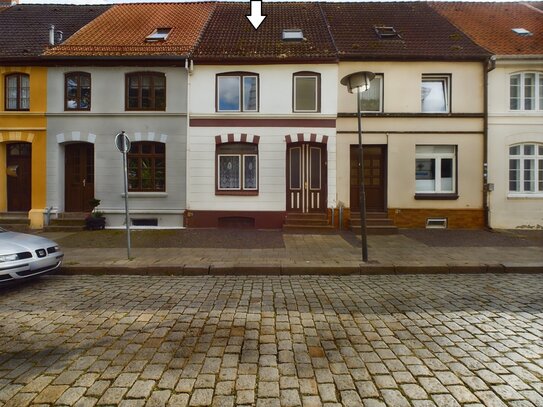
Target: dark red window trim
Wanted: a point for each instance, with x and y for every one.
(152, 77)
(136, 154)
(18, 75)
(78, 75)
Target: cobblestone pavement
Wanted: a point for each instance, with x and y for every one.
(423, 340)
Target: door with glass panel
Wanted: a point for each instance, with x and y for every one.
(306, 177)
(79, 177)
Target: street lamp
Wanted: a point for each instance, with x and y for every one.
(359, 82)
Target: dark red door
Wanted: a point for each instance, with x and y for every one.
(306, 177)
(79, 177)
(374, 178)
(19, 176)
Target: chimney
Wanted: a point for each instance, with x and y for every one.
(52, 35)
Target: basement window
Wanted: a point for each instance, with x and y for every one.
(386, 32)
(523, 32)
(160, 34)
(144, 222)
(436, 223)
(293, 35)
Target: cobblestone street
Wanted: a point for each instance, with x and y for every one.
(411, 340)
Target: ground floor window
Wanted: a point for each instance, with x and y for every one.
(147, 166)
(435, 169)
(237, 168)
(526, 168)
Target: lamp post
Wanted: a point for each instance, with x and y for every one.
(357, 83)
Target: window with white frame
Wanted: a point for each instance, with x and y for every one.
(306, 92)
(526, 91)
(435, 169)
(435, 93)
(526, 169)
(372, 99)
(237, 92)
(237, 168)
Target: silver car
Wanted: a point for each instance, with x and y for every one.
(23, 256)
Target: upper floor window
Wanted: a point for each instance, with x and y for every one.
(526, 91)
(435, 93)
(526, 168)
(77, 91)
(372, 99)
(306, 95)
(17, 91)
(147, 166)
(237, 169)
(146, 91)
(435, 169)
(237, 92)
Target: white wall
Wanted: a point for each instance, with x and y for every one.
(508, 127)
(275, 88)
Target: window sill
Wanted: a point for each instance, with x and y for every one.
(436, 197)
(525, 196)
(146, 194)
(238, 193)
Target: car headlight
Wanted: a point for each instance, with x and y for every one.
(8, 257)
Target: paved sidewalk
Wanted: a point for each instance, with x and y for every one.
(274, 341)
(411, 251)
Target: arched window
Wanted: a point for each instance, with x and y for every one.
(237, 169)
(77, 91)
(17, 95)
(237, 92)
(147, 166)
(145, 91)
(526, 168)
(526, 91)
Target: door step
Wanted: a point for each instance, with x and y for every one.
(67, 222)
(377, 223)
(307, 222)
(15, 221)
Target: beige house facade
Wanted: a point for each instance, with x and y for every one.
(419, 165)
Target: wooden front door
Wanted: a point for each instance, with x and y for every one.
(374, 178)
(79, 177)
(19, 176)
(306, 177)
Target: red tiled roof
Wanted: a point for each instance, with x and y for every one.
(230, 37)
(24, 29)
(122, 31)
(491, 24)
(424, 33)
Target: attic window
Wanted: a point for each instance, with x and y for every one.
(160, 34)
(523, 32)
(386, 32)
(293, 35)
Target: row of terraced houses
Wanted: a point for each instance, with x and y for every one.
(232, 126)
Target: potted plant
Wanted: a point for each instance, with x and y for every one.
(96, 219)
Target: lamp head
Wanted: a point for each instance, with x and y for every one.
(358, 82)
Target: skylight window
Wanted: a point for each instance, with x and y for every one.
(293, 35)
(386, 32)
(160, 34)
(523, 32)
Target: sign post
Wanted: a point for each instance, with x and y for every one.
(123, 145)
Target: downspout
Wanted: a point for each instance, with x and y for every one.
(490, 65)
(189, 66)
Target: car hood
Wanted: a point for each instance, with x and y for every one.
(12, 242)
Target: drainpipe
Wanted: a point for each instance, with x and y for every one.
(490, 65)
(189, 67)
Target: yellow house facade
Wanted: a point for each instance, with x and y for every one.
(23, 124)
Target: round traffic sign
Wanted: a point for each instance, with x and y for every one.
(122, 142)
